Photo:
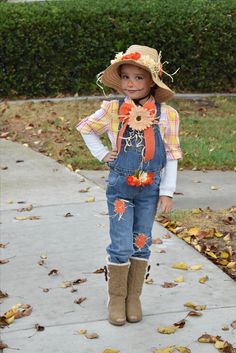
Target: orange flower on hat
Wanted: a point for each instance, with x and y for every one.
(133, 56)
(140, 118)
(140, 241)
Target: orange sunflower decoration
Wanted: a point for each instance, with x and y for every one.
(140, 118)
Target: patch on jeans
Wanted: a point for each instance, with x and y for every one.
(119, 207)
(140, 240)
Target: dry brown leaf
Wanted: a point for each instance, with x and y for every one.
(79, 281)
(206, 338)
(149, 281)
(24, 218)
(180, 266)
(53, 272)
(168, 285)
(157, 241)
(194, 313)
(84, 190)
(182, 349)
(68, 214)
(25, 209)
(39, 328)
(179, 279)
(99, 270)
(91, 336)
(225, 328)
(195, 267)
(90, 199)
(3, 294)
(203, 279)
(80, 300)
(180, 324)
(4, 261)
(167, 329)
(3, 345)
(3, 246)
(233, 324)
(169, 349)
(194, 306)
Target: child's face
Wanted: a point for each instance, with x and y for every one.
(135, 81)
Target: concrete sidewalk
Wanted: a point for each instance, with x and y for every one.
(75, 246)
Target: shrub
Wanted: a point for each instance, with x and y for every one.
(59, 46)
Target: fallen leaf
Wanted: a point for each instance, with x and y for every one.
(82, 331)
(99, 270)
(4, 261)
(213, 187)
(195, 267)
(194, 306)
(3, 295)
(168, 285)
(167, 236)
(24, 218)
(91, 336)
(25, 209)
(84, 190)
(157, 241)
(68, 214)
(53, 272)
(225, 328)
(46, 290)
(169, 349)
(90, 199)
(203, 279)
(220, 344)
(194, 313)
(149, 281)
(179, 279)
(80, 300)
(39, 328)
(180, 266)
(111, 350)
(3, 246)
(182, 349)
(233, 324)
(3, 345)
(180, 324)
(207, 338)
(167, 329)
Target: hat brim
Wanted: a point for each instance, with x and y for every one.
(111, 78)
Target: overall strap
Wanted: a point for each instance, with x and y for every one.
(120, 102)
(158, 107)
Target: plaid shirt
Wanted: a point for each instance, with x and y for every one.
(106, 120)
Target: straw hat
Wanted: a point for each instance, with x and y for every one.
(145, 57)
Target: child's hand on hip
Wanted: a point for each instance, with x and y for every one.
(110, 156)
(165, 204)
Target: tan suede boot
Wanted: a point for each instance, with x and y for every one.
(136, 275)
(117, 289)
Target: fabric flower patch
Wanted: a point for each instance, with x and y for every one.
(140, 240)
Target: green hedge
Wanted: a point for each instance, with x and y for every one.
(59, 46)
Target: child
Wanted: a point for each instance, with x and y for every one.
(143, 165)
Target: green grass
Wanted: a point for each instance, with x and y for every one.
(207, 131)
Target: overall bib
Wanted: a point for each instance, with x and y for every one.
(132, 209)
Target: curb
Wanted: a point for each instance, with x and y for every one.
(190, 96)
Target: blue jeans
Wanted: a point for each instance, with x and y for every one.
(132, 209)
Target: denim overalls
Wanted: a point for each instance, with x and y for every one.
(131, 222)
